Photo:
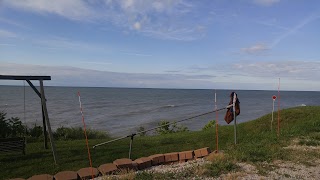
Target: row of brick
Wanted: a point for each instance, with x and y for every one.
(138, 164)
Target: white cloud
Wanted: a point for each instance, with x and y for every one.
(137, 26)
(3, 44)
(71, 76)
(307, 70)
(7, 34)
(13, 23)
(164, 19)
(255, 49)
(65, 43)
(71, 9)
(251, 75)
(295, 29)
(266, 2)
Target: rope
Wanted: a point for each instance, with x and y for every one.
(24, 107)
(85, 133)
(141, 132)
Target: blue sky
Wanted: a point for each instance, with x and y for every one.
(244, 44)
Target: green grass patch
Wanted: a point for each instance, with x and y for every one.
(256, 143)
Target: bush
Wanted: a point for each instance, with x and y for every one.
(35, 131)
(64, 133)
(166, 128)
(141, 130)
(210, 125)
(10, 127)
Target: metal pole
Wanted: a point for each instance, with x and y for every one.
(131, 140)
(217, 135)
(44, 107)
(278, 109)
(235, 118)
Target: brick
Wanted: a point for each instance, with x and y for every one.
(41, 177)
(205, 151)
(66, 175)
(171, 157)
(143, 163)
(86, 173)
(199, 153)
(186, 155)
(124, 163)
(107, 168)
(157, 159)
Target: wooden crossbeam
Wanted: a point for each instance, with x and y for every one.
(9, 77)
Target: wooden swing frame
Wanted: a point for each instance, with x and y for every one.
(45, 116)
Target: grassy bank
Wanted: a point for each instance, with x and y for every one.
(256, 143)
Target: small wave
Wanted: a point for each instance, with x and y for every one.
(303, 105)
(168, 106)
(144, 110)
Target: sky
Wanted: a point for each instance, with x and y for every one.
(205, 44)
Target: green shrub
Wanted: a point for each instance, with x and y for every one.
(167, 128)
(210, 125)
(35, 131)
(141, 130)
(10, 127)
(65, 133)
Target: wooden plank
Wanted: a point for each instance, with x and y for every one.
(12, 144)
(10, 77)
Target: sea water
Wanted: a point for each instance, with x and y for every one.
(121, 111)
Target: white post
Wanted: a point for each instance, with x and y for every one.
(235, 118)
(272, 112)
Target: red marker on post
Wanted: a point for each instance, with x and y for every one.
(274, 97)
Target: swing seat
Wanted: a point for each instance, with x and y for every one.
(13, 145)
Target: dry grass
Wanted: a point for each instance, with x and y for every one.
(213, 157)
(122, 174)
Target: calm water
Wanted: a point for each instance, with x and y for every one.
(121, 111)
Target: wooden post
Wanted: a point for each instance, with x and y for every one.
(44, 108)
(45, 135)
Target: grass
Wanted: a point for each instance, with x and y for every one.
(256, 143)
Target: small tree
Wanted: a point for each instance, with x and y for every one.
(10, 127)
(210, 125)
(36, 131)
(166, 128)
(4, 126)
(141, 130)
(16, 127)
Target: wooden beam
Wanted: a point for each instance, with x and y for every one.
(10, 77)
(44, 107)
(43, 117)
(34, 88)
